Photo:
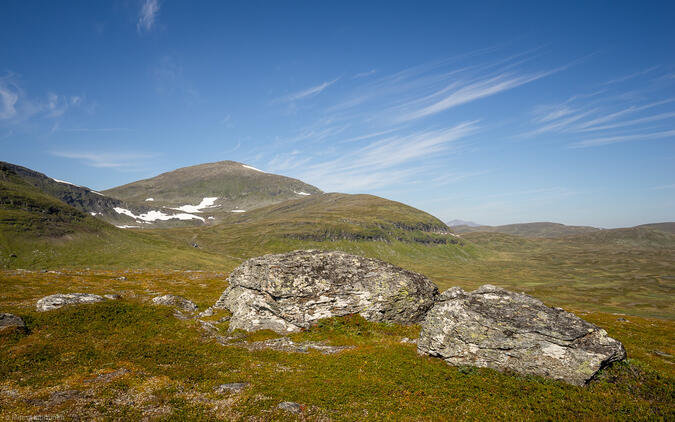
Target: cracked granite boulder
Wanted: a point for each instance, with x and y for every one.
(495, 328)
(288, 292)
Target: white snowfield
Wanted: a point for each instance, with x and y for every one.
(97, 193)
(149, 199)
(157, 215)
(94, 213)
(238, 211)
(67, 183)
(252, 168)
(127, 227)
(206, 203)
(302, 193)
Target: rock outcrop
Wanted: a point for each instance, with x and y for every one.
(57, 301)
(492, 327)
(11, 321)
(288, 292)
(175, 301)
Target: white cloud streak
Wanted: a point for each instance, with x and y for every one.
(384, 162)
(458, 93)
(623, 138)
(105, 159)
(307, 93)
(147, 15)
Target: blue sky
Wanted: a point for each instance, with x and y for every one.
(494, 112)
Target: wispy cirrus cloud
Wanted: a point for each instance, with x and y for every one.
(17, 106)
(147, 15)
(608, 116)
(460, 92)
(106, 159)
(364, 74)
(382, 162)
(306, 93)
(594, 142)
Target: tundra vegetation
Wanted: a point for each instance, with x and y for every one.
(128, 357)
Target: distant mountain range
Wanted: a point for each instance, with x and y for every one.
(454, 223)
(540, 229)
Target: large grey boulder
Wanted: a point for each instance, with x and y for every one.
(495, 328)
(56, 301)
(288, 292)
(11, 321)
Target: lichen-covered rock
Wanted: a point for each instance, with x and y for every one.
(175, 301)
(11, 321)
(288, 292)
(56, 301)
(495, 328)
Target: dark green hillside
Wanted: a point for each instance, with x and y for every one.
(39, 231)
(337, 216)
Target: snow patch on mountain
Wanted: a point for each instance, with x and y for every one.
(207, 202)
(238, 211)
(149, 199)
(157, 215)
(67, 183)
(252, 168)
(302, 193)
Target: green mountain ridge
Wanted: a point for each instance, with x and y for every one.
(233, 185)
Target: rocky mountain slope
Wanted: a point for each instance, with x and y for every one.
(114, 211)
(215, 189)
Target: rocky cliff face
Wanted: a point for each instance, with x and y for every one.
(492, 327)
(288, 292)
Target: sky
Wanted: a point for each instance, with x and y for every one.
(494, 112)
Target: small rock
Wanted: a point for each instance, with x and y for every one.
(112, 296)
(290, 406)
(11, 321)
(59, 397)
(409, 340)
(176, 301)
(284, 344)
(224, 319)
(622, 320)
(121, 278)
(206, 313)
(56, 301)
(12, 255)
(233, 387)
(662, 354)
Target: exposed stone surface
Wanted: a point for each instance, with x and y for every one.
(290, 406)
(56, 301)
(206, 313)
(288, 292)
(233, 387)
(495, 328)
(112, 296)
(11, 321)
(175, 301)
